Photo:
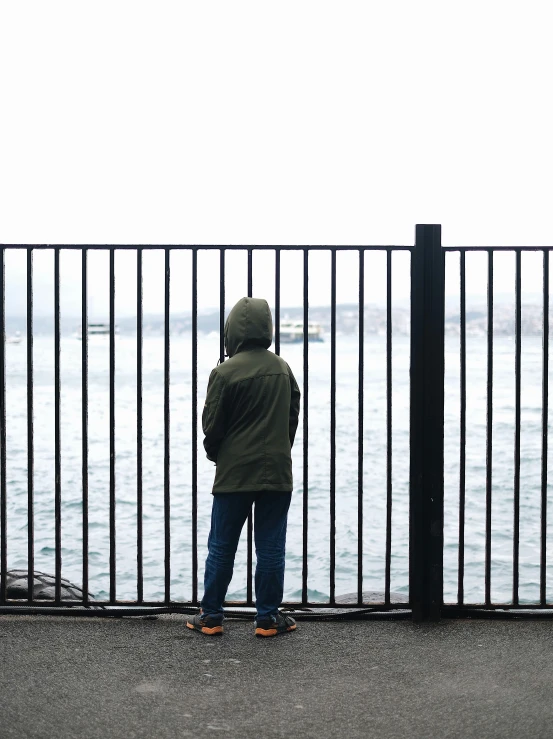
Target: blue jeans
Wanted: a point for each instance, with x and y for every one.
(228, 515)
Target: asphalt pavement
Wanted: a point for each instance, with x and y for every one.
(101, 678)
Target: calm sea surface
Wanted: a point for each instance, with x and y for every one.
(374, 482)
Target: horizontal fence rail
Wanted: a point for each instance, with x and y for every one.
(421, 463)
(128, 504)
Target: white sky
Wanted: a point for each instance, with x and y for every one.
(276, 123)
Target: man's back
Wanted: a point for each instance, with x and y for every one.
(249, 420)
(252, 406)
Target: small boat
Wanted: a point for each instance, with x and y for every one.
(291, 332)
(96, 329)
(14, 338)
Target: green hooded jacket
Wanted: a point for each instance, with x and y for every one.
(252, 406)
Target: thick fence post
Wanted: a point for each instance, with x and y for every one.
(427, 425)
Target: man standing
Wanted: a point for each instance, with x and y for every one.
(249, 420)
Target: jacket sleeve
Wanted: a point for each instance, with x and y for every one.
(294, 407)
(213, 417)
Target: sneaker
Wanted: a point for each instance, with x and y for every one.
(205, 624)
(273, 627)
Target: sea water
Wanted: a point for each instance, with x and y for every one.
(374, 482)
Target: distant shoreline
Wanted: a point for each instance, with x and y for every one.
(347, 318)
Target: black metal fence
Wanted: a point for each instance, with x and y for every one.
(423, 529)
(530, 494)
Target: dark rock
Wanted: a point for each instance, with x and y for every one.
(43, 586)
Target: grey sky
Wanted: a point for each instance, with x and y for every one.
(247, 122)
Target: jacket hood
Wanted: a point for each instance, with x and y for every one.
(248, 324)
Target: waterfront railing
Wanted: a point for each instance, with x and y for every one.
(424, 590)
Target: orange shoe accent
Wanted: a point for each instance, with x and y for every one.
(273, 632)
(213, 631)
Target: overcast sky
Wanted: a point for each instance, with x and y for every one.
(271, 123)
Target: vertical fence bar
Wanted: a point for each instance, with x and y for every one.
(57, 425)
(360, 425)
(249, 595)
(388, 425)
(304, 597)
(139, 418)
(333, 427)
(427, 424)
(195, 426)
(112, 548)
(544, 427)
(516, 502)
(167, 430)
(489, 436)
(3, 495)
(221, 305)
(250, 273)
(84, 414)
(463, 426)
(277, 301)
(30, 429)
